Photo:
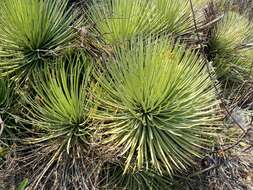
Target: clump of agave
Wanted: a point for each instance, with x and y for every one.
(230, 46)
(59, 113)
(157, 106)
(120, 20)
(32, 32)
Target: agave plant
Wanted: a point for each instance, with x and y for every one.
(157, 106)
(32, 31)
(121, 20)
(59, 113)
(230, 46)
(233, 31)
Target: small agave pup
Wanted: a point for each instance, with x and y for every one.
(59, 114)
(157, 106)
(32, 31)
(121, 20)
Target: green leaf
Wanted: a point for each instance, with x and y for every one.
(23, 184)
(3, 151)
